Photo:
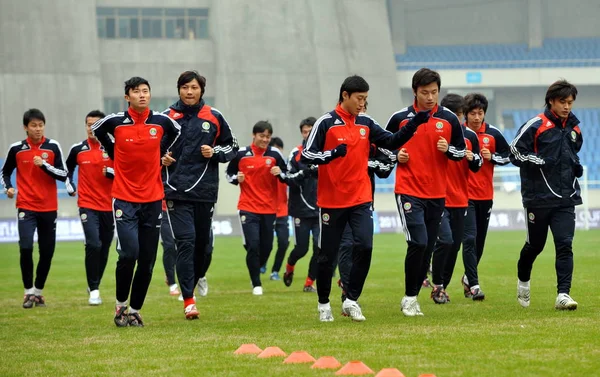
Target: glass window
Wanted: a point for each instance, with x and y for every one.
(170, 28)
(202, 29)
(110, 28)
(134, 27)
(156, 30)
(101, 25)
(128, 12)
(124, 28)
(198, 12)
(103, 11)
(175, 12)
(152, 12)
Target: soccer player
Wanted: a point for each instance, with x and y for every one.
(302, 180)
(192, 180)
(256, 169)
(169, 258)
(282, 229)
(421, 178)
(452, 225)
(141, 137)
(381, 164)
(545, 149)
(494, 151)
(39, 163)
(340, 142)
(93, 190)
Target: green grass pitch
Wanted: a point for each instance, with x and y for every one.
(495, 337)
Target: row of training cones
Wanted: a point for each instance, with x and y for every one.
(352, 368)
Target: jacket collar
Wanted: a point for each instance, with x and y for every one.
(138, 117)
(183, 108)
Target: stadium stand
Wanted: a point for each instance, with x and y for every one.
(555, 52)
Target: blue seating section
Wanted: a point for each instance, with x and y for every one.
(555, 52)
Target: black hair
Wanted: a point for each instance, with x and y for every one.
(262, 126)
(189, 76)
(475, 101)
(134, 82)
(32, 114)
(424, 77)
(95, 114)
(310, 121)
(454, 102)
(561, 89)
(353, 84)
(276, 142)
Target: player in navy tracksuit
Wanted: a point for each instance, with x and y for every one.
(257, 169)
(302, 180)
(545, 149)
(39, 163)
(192, 181)
(381, 164)
(94, 199)
(141, 137)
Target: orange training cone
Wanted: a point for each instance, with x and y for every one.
(299, 357)
(248, 349)
(272, 352)
(427, 375)
(354, 368)
(389, 372)
(326, 362)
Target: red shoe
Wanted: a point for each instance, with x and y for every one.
(191, 312)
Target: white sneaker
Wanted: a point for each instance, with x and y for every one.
(419, 312)
(95, 299)
(203, 287)
(410, 306)
(257, 291)
(325, 314)
(523, 295)
(565, 302)
(353, 311)
(174, 290)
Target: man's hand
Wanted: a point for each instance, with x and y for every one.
(10, 192)
(485, 153)
(442, 145)
(403, 156)
(104, 171)
(469, 155)
(74, 193)
(578, 170)
(240, 177)
(339, 151)
(38, 161)
(421, 118)
(207, 151)
(167, 160)
(275, 170)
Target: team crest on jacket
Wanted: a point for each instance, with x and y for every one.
(363, 132)
(105, 155)
(153, 131)
(439, 125)
(205, 126)
(44, 155)
(268, 162)
(486, 140)
(83, 216)
(118, 213)
(573, 135)
(325, 217)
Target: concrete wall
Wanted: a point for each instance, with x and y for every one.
(51, 65)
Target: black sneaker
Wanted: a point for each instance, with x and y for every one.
(477, 294)
(135, 320)
(121, 319)
(40, 301)
(288, 277)
(437, 294)
(28, 301)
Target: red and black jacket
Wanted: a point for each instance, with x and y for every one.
(94, 188)
(545, 149)
(36, 186)
(140, 140)
(457, 190)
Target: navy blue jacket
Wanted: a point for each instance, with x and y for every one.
(193, 177)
